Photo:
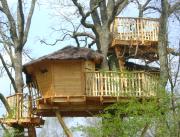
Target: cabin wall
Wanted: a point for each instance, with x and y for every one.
(61, 78)
(67, 78)
(43, 75)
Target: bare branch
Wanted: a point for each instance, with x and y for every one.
(94, 13)
(146, 3)
(28, 22)
(77, 41)
(57, 40)
(120, 5)
(8, 73)
(20, 22)
(178, 68)
(11, 20)
(91, 44)
(177, 17)
(78, 34)
(174, 7)
(84, 16)
(5, 103)
(153, 8)
(1, 9)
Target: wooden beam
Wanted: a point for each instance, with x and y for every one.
(121, 60)
(61, 121)
(31, 131)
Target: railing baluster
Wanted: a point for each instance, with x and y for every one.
(119, 84)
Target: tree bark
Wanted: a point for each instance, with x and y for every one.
(163, 45)
(18, 71)
(105, 39)
(5, 103)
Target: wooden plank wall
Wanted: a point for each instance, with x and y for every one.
(67, 78)
(43, 74)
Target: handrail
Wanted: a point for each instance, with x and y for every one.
(135, 29)
(113, 83)
(21, 106)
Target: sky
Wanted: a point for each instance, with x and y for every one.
(41, 29)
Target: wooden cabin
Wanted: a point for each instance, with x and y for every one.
(62, 72)
(67, 81)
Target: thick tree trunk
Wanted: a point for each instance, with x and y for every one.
(163, 45)
(18, 71)
(105, 39)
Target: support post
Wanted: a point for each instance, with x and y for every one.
(120, 57)
(61, 121)
(31, 131)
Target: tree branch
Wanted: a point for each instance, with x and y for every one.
(120, 5)
(174, 7)
(153, 8)
(20, 22)
(8, 73)
(146, 3)
(83, 15)
(5, 103)
(1, 9)
(11, 21)
(94, 13)
(57, 40)
(103, 11)
(28, 22)
(78, 34)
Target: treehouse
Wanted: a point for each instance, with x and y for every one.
(135, 38)
(69, 82)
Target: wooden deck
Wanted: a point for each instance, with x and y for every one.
(84, 106)
(22, 112)
(101, 90)
(135, 31)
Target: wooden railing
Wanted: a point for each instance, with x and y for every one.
(135, 29)
(21, 106)
(137, 84)
(34, 92)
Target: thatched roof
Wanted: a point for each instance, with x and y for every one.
(71, 53)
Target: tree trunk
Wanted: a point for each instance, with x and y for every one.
(163, 45)
(18, 71)
(105, 39)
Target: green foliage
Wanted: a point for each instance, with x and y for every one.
(11, 132)
(134, 118)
